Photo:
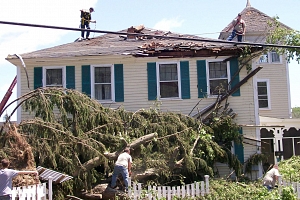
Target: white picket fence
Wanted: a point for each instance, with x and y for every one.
(135, 190)
(296, 186)
(33, 192)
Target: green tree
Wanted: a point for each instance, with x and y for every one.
(296, 112)
(74, 134)
(279, 34)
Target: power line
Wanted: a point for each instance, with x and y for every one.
(149, 35)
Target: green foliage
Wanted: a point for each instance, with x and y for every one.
(72, 133)
(288, 193)
(296, 112)
(224, 190)
(290, 169)
(278, 34)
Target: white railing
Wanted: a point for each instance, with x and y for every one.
(33, 192)
(296, 186)
(135, 190)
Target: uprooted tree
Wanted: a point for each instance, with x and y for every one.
(76, 135)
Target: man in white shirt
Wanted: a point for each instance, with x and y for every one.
(6, 176)
(123, 167)
(271, 177)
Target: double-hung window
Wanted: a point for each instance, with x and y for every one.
(263, 94)
(270, 57)
(218, 77)
(54, 76)
(169, 80)
(102, 83)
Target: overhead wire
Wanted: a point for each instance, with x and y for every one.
(150, 35)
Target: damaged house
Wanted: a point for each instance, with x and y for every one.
(140, 66)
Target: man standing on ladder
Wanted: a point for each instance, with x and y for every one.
(239, 28)
(86, 18)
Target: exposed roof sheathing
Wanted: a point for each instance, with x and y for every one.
(112, 44)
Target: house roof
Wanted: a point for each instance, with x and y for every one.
(256, 21)
(148, 44)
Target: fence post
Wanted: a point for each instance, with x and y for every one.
(279, 184)
(50, 179)
(178, 191)
(206, 183)
(129, 186)
(197, 189)
(169, 193)
(149, 192)
(193, 190)
(298, 190)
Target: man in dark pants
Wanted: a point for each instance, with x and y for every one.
(86, 18)
(123, 167)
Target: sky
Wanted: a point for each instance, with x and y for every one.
(205, 18)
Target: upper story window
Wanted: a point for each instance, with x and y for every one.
(263, 93)
(54, 77)
(168, 83)
(102, 83)
(218, 77)
(270, 57)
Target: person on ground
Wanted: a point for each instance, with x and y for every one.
(239, 28)
(123, 167)
(271, 177)
(86, 18)
(6, 176)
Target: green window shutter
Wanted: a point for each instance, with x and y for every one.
(86, 79)
(38, 77)
(70, 77)
(234, 67)
(239, 149)
(119, 83)
(152, 84)
(185, 79)
(201, 75)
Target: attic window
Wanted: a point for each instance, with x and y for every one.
(270, 57)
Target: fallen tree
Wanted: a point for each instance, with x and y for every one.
(76, 135)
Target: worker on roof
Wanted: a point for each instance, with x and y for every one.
(239, 28)
(86, 18)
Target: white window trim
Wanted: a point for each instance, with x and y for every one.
(268, 91)
(158, 81)
(55, 67)
(112, 82)
(208, 78)
(269, 59)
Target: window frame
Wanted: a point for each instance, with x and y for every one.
(158, 80)
(269, 57)
(268, 93)
(112, 100)
(208, 78)
(54, 67)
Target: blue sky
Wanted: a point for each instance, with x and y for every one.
(203, 17)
